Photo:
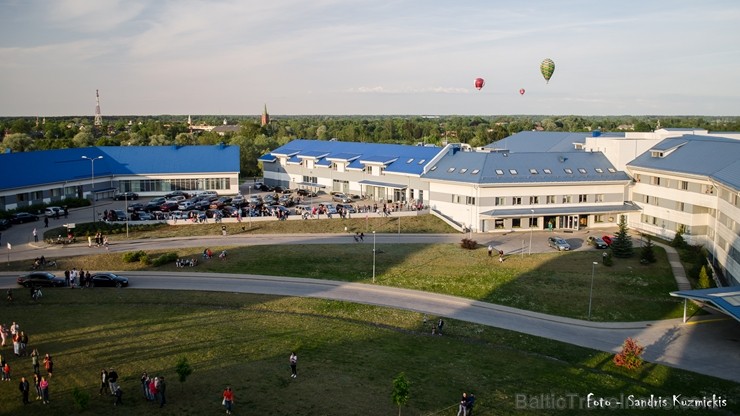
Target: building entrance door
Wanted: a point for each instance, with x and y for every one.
(569, 222)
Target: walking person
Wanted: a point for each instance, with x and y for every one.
(112, 381)
(293, 365)
(228, 401)
(440, 325)
(24, 387)
(490, 250)
(469, 405)
(35, 236)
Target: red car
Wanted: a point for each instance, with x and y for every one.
(608, 240)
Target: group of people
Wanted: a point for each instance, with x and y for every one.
(100, 240)
(465, 407)
(20, 343)
(191, 262)
(500, 253)
(154, 388)
(74, 278)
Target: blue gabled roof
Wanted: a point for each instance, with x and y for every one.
(524, 167)
(727, 299)
(24, 169)
(540, 141)
(398, 158)
(713, 157)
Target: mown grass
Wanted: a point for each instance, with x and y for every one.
(553, 283)
(348, 355)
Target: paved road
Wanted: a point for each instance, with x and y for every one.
(708, 346)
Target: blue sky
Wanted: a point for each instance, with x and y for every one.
(368, 57)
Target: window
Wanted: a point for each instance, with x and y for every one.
(599, 218)
(534, 200)
(433, 168)
(583, 171)
(684, 186)
(533, 171)
(475, 171)
(499, 172)
(599, 198)
(612, 170)
(599, 170)
(567, 199)
(517, 200)
(569, 171)
(421, 162)
(463, 170)
(450, 170)
(582, 198)
(512, 171)
(550, 199)
(500, 200)
(679, 206)
(410, 160)
(655, 180)
(547, 171)
(469, 200)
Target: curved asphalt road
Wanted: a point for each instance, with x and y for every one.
(708, 346)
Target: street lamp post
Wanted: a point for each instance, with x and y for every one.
(92, 180)
(591, 293)
(249, 211)
(373, 256)
(530, 232)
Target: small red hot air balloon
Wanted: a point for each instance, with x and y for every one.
(521, 91)
(479, 83)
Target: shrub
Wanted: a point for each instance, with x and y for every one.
(606, 259)
(133, 256)
(81, 398)
(183, 369)
(705, 280)
(631, 355)
(468, 244)
(164, 259)
(678, 240)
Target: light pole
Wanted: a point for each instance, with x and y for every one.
(249, 211)
(591, 294)
(373, 256)
(125, 198)
(530, 232)
(92, 180)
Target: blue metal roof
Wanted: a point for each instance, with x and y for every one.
(540, 141)
(24, 169)
(714, 157)
(726, 299)
(525, 167)
(399, 158)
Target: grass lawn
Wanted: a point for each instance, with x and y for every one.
(348, 356)
(553, 283)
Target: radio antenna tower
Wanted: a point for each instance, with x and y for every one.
(98, 117)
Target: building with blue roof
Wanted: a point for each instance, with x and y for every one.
(47, 176)
(383, 172)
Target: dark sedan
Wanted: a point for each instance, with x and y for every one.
(40, 279)
(108, 280)
(125, 195)
(21, 217)
(4, 224)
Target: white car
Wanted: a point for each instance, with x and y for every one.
(52, 211)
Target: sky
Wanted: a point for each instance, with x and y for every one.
(369, 57)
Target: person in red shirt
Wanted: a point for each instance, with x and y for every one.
(228, 399)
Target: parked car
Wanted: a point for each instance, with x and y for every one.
(173, 194)
(347, 207)
(120, 215)
(262, 187)
(4, 224)
(186, 205)
(108, 280)
(340, 197)
(305, 192)
(608, 240)
(23, 217)
(40, 279)
(53, 211)
(597, 242)
(168, 206)
(558, 243)
(136, 206)
(125, 195)
(141, 216)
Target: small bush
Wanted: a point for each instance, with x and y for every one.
(705, 280)
(607, 259)
(81, 398)
(145, 260)
(133, 256)
(164, 259)
(468, 244)
(648, 254)
(631, 355)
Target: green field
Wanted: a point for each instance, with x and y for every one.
(348, 355)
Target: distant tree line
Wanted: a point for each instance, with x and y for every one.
(22, 134)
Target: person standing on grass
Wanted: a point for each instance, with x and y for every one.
(228, 399)
(490, 250)
(103, 381)
(44, 386)
(35, 360)
(462, 409)
(48, 365)
(24, 387)
(161, 389)
(293, 365)
(112, 380)
(440, 325)
(501, 256)
(37, 385)
(469, 405)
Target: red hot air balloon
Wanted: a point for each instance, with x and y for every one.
(479, 83)
(521, 91)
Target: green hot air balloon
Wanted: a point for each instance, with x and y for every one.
(547, 67)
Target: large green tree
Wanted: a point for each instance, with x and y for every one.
(622, 244)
